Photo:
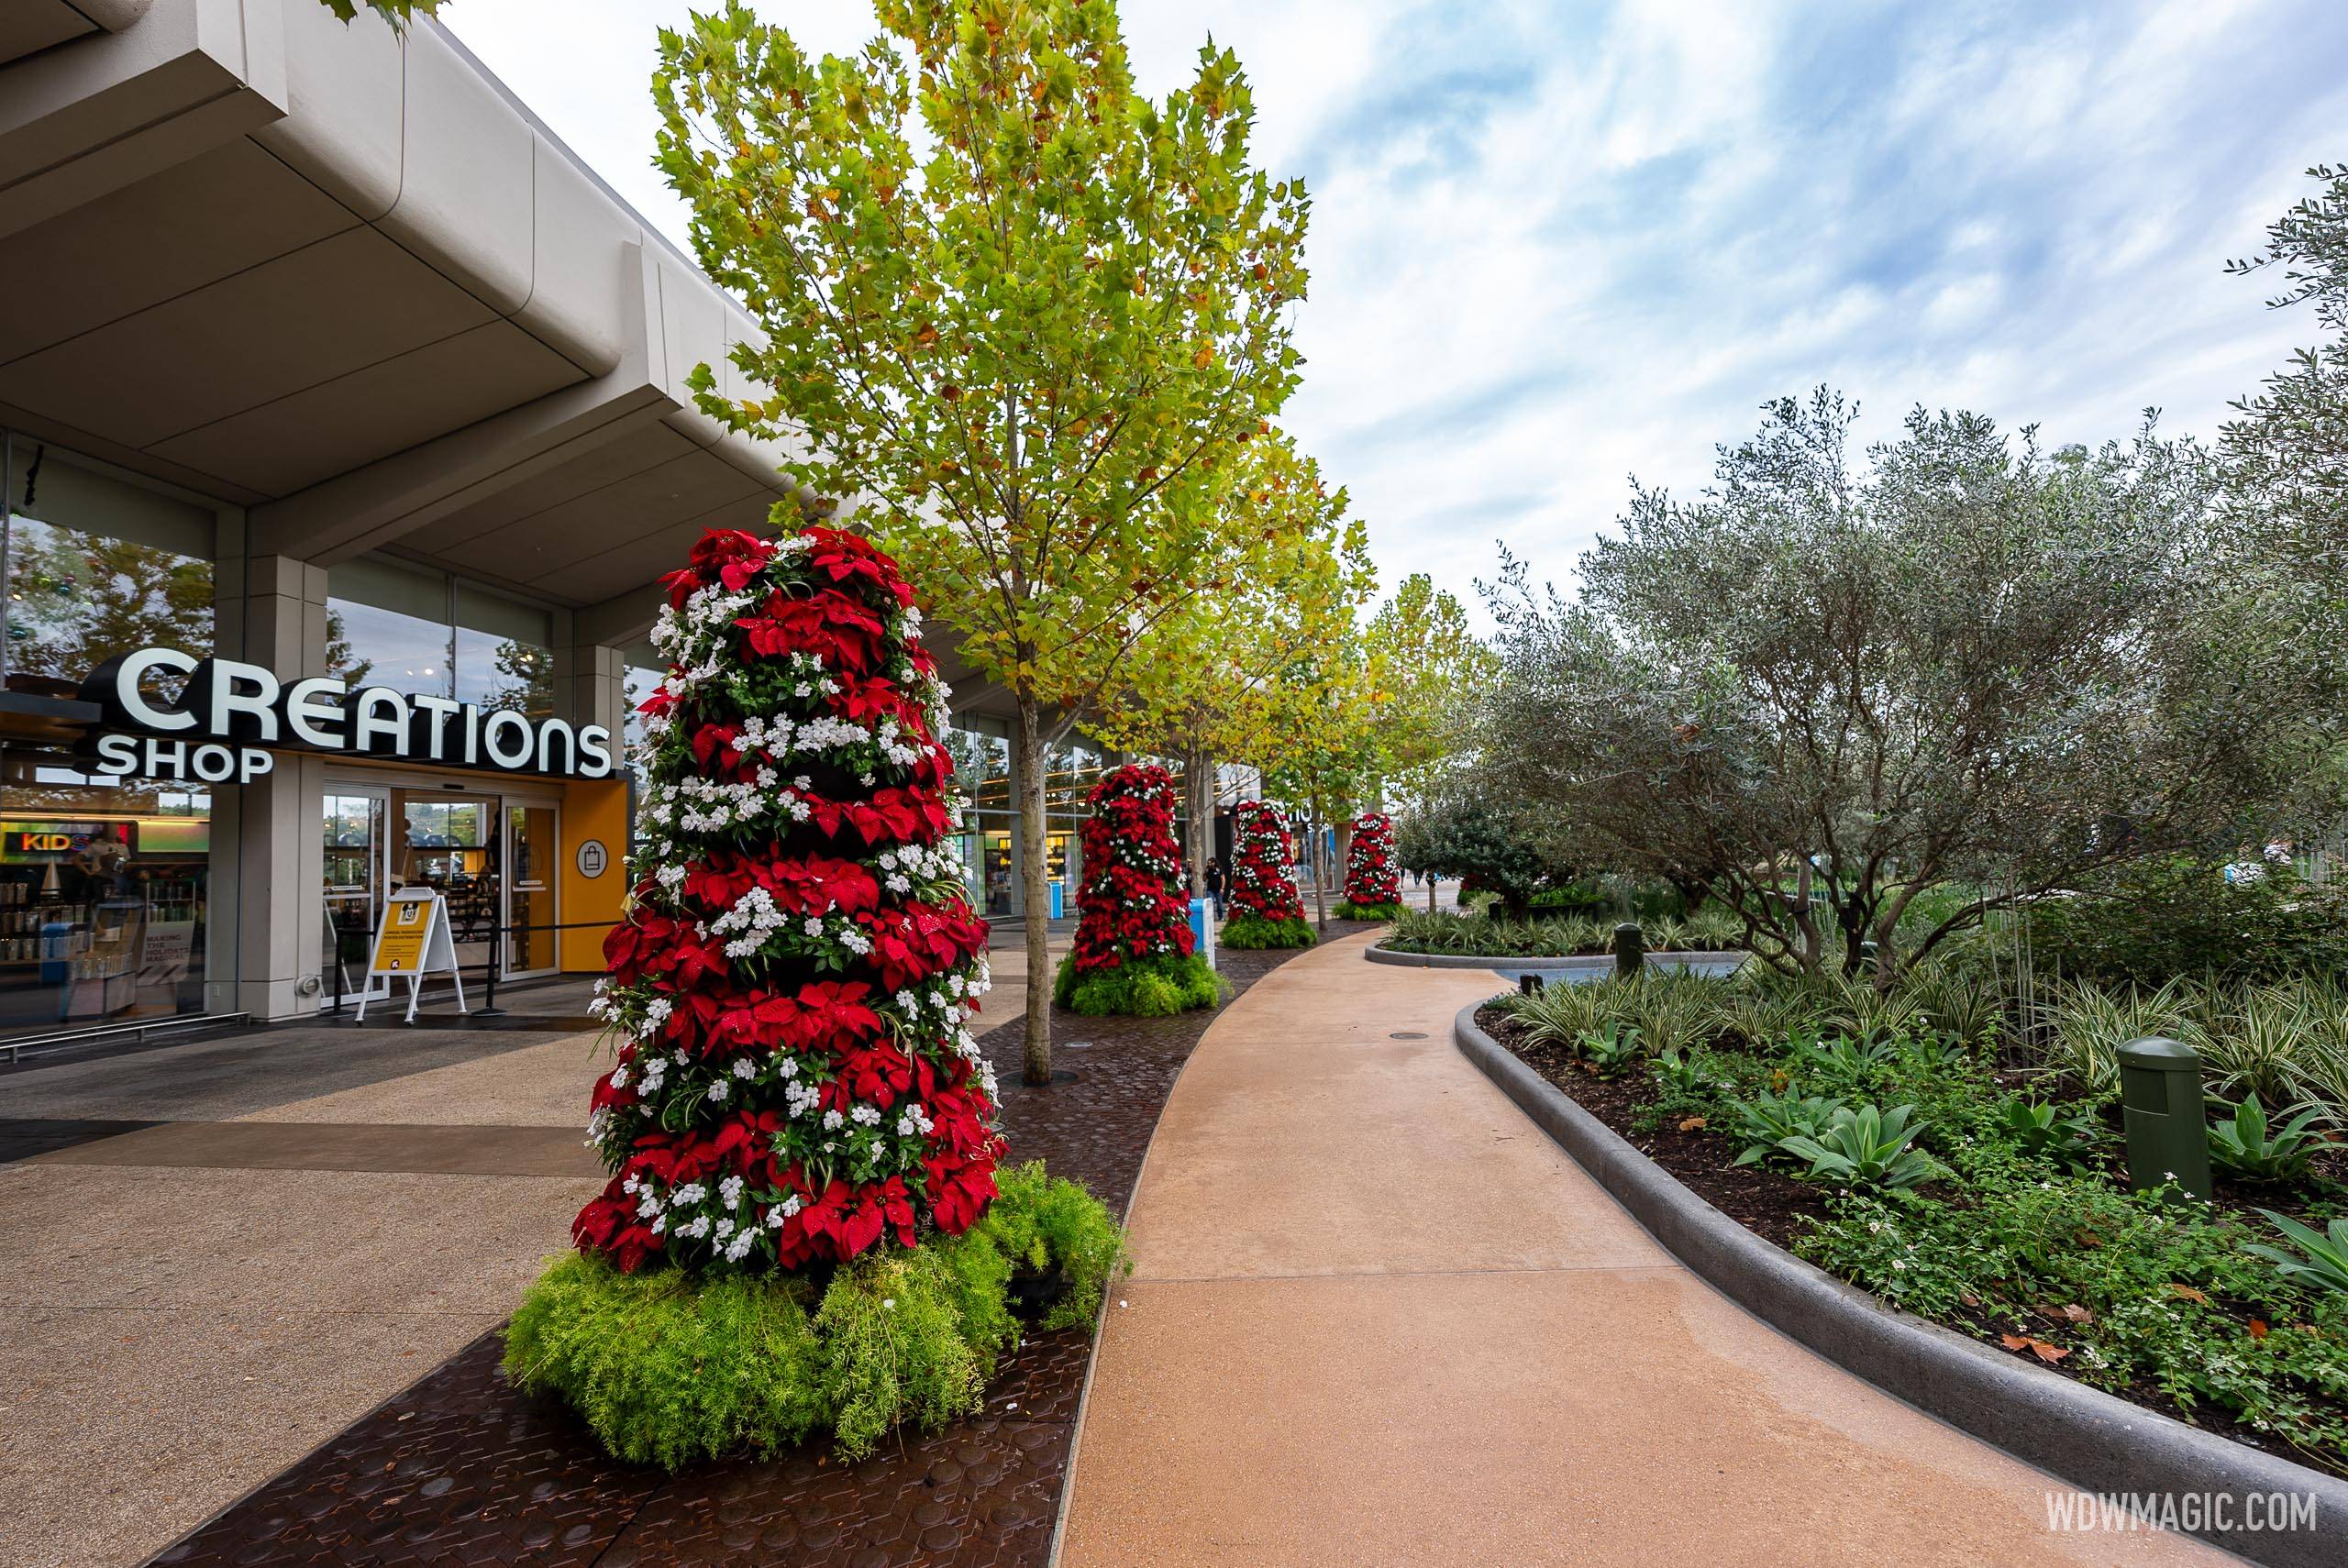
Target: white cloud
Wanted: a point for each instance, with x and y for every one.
(1554, 244)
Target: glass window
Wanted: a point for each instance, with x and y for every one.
(387, 624)
(504, 653)
(1069, 773)
(105, 884)
(639, 675)
(982, 767)
(98, 568)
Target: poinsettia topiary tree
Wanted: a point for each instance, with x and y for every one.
(1373, 879)
(1133, 952)
(795, 980)
(800, 1126)
(1266, 909)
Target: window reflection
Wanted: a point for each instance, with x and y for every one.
(420, 634)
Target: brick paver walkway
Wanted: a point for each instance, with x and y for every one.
(1380, 1318)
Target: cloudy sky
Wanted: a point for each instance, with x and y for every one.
(1556, 244)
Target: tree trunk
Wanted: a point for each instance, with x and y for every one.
(1037, 1067)
(1804, 921)
(1320, 882)
(1198, 774)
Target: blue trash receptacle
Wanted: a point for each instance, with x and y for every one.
(1203, 929)
(1059, 898)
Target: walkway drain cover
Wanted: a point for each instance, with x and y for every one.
(1406, 1034)
(1076, 1045)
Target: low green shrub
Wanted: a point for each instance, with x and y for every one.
(2321, 1258)
(1556, 936)
(667, 1368)
(1256, 932)
(2047, 1131)
(2241, 1143)
(1348, 910)
(1611, 1050)
(1590, 898)
(1865, 1147)
(2158, 921)
(1158, 987)
(2124, 1289)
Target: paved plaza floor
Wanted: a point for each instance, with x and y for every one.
(221, 1251)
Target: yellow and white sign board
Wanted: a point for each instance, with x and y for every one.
(413, 941)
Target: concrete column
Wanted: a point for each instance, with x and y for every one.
(280, 620)
(590, 687)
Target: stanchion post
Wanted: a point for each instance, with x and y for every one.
(496, 950)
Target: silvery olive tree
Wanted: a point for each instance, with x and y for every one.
(2287, 450)
(1827, 686)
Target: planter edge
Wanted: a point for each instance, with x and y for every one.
(2095, 1442)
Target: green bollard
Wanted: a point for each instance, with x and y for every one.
(2161, 1106)
(1629, 948)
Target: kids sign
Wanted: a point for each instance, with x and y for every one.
(230, 716)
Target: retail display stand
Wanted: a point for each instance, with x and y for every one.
(413, 941)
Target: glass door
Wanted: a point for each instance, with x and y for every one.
(532, 842)
(357, 854)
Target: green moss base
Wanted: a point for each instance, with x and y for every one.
(1350, 910)
(1255, 931)
(667, 1368)
(1154, 988)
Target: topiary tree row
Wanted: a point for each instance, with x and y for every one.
(1266, 909)
(1373, 877)
(1133, 952)
(799, 1125)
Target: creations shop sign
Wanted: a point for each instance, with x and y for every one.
(229, 715)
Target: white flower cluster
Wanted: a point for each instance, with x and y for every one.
(687, 1211)
(756, 916)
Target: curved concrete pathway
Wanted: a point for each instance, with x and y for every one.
(1379, 1318)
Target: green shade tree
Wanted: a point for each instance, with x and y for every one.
(1222, 678)
(1021, 314)
(1435, 672)
(1465, 831)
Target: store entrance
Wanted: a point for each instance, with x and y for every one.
(492, 857)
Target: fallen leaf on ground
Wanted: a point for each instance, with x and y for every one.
(2187, 1293)
(2048, 1353)
(1693, 1124)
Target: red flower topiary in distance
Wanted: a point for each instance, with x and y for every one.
(797, 971)
(1266, 909)
(1133, 952)
(1373, 881)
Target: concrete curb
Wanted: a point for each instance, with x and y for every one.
(2094, 1440)
(1579, 964)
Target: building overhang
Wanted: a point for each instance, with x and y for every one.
(347, 282)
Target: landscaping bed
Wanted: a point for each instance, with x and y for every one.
(2046, 1258)
(1444, 932)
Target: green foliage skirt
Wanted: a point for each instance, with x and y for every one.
(668, 1367)
(1153, 987)
(1255, 932)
